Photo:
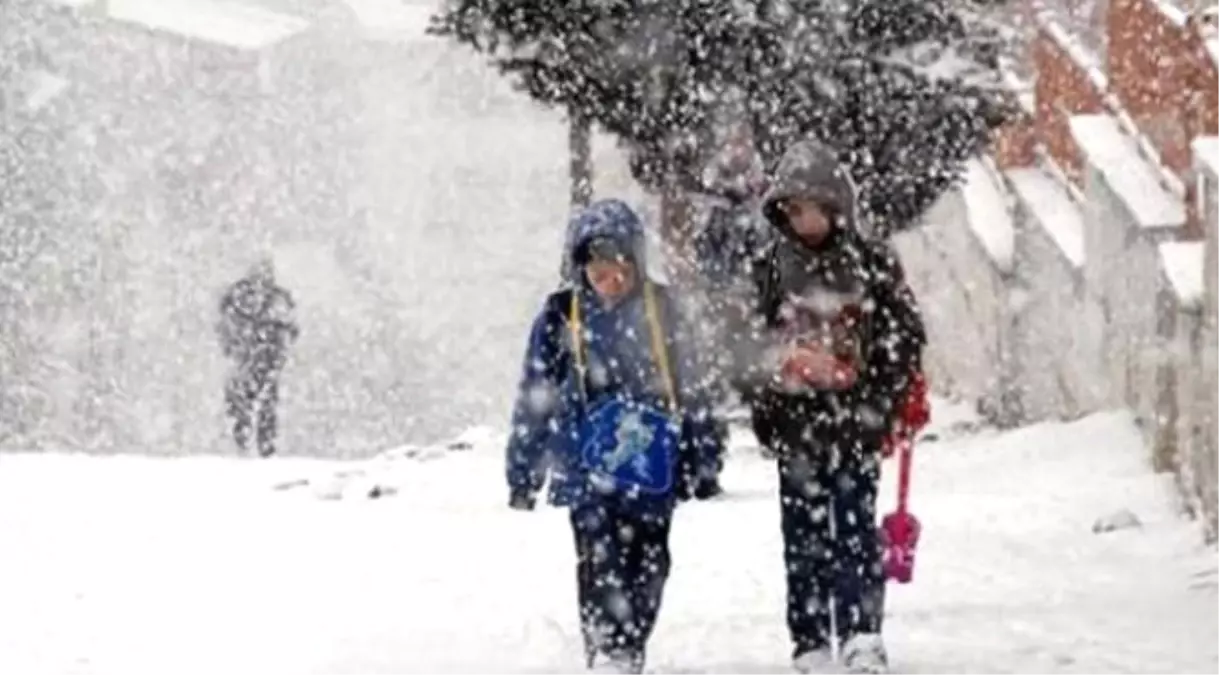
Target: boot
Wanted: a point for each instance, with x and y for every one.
(820, 660)
(865, 653)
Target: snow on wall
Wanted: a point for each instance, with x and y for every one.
(1057, 350)
(1173, 11)
(1086, 57)
(1197, 396)
(1206, 166)
(1189, 410)
(1090, 317)
(1051, 205)
(1129, 213)
(994, 312)
(1070, 329)
(1133, 179)
(962, 295)
(1181, 262)
(1193, 430)
(988, 214)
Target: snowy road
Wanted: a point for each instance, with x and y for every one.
(134, 565)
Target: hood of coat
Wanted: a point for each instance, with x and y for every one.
(810, 170)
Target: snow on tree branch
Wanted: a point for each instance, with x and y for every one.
(906, 90)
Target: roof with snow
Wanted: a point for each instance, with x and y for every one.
(1132, 178)
(1181, 262)
(1047, 200)
(226, 23)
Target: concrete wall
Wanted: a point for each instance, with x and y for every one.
(963, 291)
(1120, 145)
(1196, 347)
(1057, 366)
(1103, 304)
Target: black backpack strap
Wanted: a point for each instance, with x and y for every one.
(559, 321)
(766, 280)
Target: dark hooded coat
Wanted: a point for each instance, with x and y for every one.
(848, 294)
(257, 322)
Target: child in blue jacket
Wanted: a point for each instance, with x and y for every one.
(610, 408)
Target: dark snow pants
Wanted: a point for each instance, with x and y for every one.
(622, 564)
(251, 396)
(831, 548)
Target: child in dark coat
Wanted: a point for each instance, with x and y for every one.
(611, 410)
(839, 340)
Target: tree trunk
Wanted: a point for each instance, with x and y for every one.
(579, 140)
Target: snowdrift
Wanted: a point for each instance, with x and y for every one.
(197, 565)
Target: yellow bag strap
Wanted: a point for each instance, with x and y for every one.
(655, 330)
(577, 338)
(659, 351)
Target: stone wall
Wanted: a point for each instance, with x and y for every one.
(1101, 304)
(960, 275)
(1109, 298)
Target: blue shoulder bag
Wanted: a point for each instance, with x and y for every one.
(628, 445)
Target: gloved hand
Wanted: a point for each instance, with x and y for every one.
(816, 367)
(708, 489)
(521, 500)
(698, 483)
(913, 415)
(916, 414)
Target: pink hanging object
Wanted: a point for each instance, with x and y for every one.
(900, 530)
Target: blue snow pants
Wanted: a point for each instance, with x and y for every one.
(622, 565)
(831, 548)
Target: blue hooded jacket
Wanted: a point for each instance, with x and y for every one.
(620, 363)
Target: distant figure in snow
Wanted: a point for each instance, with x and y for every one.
(730, 229)
(256, 324)
(729, 234)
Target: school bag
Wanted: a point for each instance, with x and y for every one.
(629, 446)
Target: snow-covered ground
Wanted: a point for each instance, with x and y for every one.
(142, 565)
